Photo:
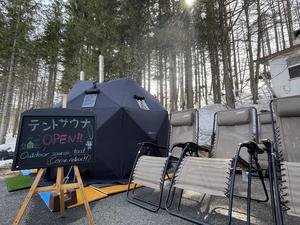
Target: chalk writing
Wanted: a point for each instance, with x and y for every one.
(31, 155)
(63, 122)
(52, 139)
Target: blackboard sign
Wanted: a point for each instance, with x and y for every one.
(55, 137)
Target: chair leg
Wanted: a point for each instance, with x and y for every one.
(278, 212)
(179, 202)
(261, 177)
(249, 191)
(271, 189)
(232, 183)
(143, 203)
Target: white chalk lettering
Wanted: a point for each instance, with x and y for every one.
(31, 155)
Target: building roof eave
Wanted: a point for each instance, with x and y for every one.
(266, 59)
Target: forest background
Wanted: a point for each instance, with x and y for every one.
(186, 53)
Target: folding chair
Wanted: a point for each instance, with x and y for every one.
(216, 176)
(286, 157)
(232, 127)
(151, 171)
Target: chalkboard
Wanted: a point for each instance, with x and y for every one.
(55, 137)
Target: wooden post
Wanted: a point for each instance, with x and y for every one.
(85, 200)
(64, 100)
(59, 189)
(28, 197)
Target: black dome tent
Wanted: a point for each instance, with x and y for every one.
(126, 115)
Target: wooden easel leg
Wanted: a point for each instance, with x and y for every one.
(28, 197)
(59, 182)
(85, 201)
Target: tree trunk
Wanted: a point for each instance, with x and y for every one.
(250, 51)
(9, 94)
(149, 71)
(212, 42)
(259, 42)
(281, 23)
(18, 111)
(271, 2)
(173, 81)
(225, 47)
(188, 65)
(165, 81)
(161, 78)
(204, 75)
(181, 84)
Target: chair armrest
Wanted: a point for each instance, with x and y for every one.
(191, 147)
(267, 144)
(253, 147)
(150, 144)
(204, 148)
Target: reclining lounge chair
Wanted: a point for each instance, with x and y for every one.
(216, 176)
(151, 171)
(286, 157)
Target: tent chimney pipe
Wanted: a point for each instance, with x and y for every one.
(81, 75)
(101, 68)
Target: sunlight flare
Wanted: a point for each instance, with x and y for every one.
(189, 3)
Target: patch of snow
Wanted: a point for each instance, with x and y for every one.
(264, 97)
(10, 144)
(5, 147)
(206, 120)
(5, 163)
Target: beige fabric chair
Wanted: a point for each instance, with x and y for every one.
(265, 133)
(287, 140)
(265, 126)
(203, 175)
(184, 128)
(151, 171)
(233, 127)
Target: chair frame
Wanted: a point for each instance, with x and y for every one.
(252, 150)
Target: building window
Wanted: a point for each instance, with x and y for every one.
(294, 71)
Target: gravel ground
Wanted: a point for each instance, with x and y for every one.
(115, 210)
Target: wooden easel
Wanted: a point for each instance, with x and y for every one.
(58, 187)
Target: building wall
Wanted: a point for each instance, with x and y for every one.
(281, 82)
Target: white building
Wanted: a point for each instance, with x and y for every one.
(285, 70)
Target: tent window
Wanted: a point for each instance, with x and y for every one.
(142, 104)
(294, 71)
(89, 100)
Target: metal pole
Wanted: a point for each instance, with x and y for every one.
(81, 75)
(64, 100)
(101, 68)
